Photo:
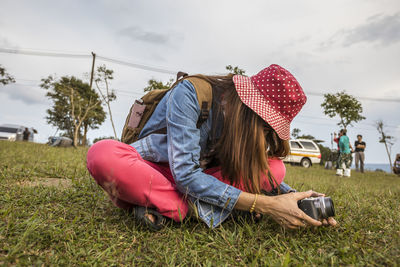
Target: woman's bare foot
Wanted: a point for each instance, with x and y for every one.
(151, 217)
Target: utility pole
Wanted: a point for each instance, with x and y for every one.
(91, 75)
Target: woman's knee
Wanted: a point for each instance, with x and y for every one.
(99, 154)
(108, 153)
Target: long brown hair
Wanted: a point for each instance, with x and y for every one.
(246, 142)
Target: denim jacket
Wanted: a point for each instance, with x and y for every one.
(179, 111)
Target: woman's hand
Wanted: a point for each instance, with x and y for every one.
(285, 211)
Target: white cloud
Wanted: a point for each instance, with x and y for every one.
(379, 29)
(26, 94)
(137, 34)
(382, 29)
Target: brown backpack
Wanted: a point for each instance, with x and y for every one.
(143, 108)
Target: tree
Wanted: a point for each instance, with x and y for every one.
(385, 139)
(5, 78)
(74, 104)
(296, 135)
(310, 137)
(295, 132)
(235, 70)
(94, 119)
(326, 154)
(343, 105)
(153, 84)
(97, 139)
(103, 78)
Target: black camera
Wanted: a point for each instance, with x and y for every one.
(317, 208)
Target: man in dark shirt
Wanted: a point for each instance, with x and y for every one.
(26, 134)
(359, 153)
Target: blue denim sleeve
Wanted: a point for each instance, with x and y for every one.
(184, 151)
(285, 188)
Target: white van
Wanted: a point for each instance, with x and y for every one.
(13, 132)
(304, 152)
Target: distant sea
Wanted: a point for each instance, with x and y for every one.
(374, 166)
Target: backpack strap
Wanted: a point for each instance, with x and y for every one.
(149, 102)
(204, 96)
(180, 75)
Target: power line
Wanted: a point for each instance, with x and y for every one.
(326, 125)
(362, 97)
(145, 67)
(135, 65)
(69, 55)
(124, 92)
(324, 118)
(46, 54)
(329, 123)
(47, 50)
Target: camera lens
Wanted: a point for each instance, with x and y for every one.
(317, 208)
(329, 207)
(325, 207)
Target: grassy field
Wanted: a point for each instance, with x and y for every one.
(53, 213)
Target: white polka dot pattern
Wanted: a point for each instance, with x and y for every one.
(274, 94)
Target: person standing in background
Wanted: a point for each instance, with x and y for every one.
(345, 155)
(359, 153)
(26, 134)
(336, 139)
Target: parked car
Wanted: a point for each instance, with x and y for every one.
(12, 132)
(396, 165)
(61, 141)
(304, 152)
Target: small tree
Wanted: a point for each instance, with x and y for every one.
(295, 132)
(5, 78)
(385, 139)
(343, 105)
(235, 70)
(310, 137)
(103, 78)
(153, 84)
(73, 104)
(94, 119)
(97, 139)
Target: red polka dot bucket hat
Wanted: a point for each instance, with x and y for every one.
(274, 94)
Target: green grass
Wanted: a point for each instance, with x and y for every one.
(78, 225)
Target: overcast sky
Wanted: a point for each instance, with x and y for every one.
(328, 46)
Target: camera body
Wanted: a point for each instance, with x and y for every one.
(317, 208)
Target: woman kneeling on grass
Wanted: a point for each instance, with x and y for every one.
(242, 142)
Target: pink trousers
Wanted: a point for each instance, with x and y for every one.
(130, 180)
